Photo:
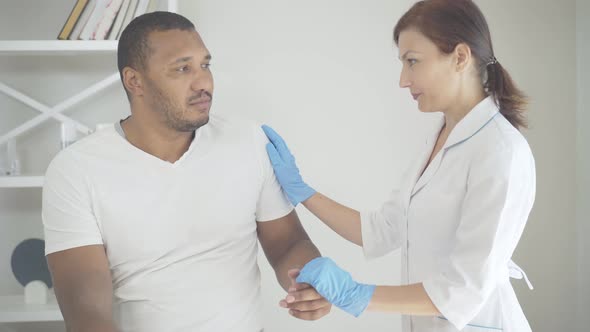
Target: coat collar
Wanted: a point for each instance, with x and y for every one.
(470, 125)
(473, 122)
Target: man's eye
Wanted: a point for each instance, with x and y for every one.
(206, 65)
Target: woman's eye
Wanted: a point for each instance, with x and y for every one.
(206, 65)
(412, 62)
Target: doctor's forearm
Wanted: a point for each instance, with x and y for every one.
(341, 219)
(406, 300)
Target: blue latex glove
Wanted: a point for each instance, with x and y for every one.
(336, 285)
(285, 168)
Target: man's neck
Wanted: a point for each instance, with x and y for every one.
(153, 138)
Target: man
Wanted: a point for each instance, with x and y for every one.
(152, 224)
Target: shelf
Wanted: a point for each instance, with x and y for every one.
(56, 47)
(21, 181)
(14, 310)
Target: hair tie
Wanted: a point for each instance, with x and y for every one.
(492, 61)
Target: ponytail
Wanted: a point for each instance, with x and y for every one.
(510, 100)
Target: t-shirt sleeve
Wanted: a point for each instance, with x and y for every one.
(272, 202)
(68, 218)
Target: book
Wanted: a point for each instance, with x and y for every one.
(119, 20)
(142, 6)
(82, 20)
(106, 22)
(68, 27)
(153, 6)
(95, 17)
(128, 16)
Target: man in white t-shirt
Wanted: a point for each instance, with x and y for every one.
(153, 224)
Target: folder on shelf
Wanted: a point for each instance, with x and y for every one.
(72, 19)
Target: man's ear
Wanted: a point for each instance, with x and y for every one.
(132, 79)
(462, 55)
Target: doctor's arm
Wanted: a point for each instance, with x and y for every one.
(287, 246)
(338, 287)
(83, 286)
(341, 219)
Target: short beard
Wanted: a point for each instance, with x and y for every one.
(170, 110)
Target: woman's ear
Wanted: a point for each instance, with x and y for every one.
(463, 57)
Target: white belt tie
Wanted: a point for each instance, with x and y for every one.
(516, 272)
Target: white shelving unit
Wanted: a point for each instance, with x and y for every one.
(21, 181)
(13, 309)
(56, 47)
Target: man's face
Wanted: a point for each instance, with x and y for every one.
(178, 82)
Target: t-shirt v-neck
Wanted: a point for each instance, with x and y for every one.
(177, 163)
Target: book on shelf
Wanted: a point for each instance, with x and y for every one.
(107, 20)
(153, 6)
(94, 20)
(103, 19)
(142, 7)
(119, 20)
(128, 17)
(75, 14)
(83, 20)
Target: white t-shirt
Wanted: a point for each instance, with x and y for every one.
(180, 237)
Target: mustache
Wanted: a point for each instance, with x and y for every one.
(202, 94)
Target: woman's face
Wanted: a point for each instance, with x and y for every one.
(429, 74)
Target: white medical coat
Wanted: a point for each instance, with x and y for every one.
(459, 222)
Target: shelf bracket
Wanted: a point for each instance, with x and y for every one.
(53, 112)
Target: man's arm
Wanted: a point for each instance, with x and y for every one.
(287, 246)
(83, 286)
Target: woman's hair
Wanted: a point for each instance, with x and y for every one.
(448, 23)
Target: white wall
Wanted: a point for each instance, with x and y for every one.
(583, 161)
(324, 74)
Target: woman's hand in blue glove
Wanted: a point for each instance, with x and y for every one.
(336, 285)
(285, 168)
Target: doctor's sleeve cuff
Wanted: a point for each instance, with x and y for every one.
(378, 237)
(440, 296)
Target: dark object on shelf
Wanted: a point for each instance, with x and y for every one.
(29, 264)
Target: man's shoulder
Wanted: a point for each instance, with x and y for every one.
(83, 150)
(242, 129)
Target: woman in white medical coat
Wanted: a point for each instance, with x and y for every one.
(463, 204)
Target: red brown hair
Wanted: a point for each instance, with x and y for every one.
(448, 23)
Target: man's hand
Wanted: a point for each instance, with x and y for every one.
(336, 285)
(303, 301)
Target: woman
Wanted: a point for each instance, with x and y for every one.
(463, 205)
